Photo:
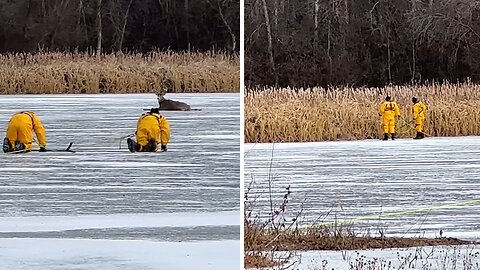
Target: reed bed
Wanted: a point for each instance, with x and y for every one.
(319, 114)
(73, 73)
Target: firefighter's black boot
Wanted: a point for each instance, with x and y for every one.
(7, 147)
(132, 145)
(151, 146)
(19, 146)
(385, 136)
(418, 136)
(393, 136)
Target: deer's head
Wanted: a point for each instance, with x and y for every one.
(160, 97)
(161, 94)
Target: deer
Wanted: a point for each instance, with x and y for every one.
(171, 105)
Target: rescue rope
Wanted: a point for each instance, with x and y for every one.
(126, 136)
(48, 150)
(413, 127)
(19, 151)
(123, 138)
(473, 202)
(405, 123)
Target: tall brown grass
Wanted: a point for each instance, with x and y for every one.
(319, 114)
(56, 73)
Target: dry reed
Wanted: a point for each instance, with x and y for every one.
(72, 73)
(319, 114)
(340, 238)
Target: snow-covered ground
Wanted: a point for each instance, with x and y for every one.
(106, 208)
(403, 187)
(425, 258)
(63, 254)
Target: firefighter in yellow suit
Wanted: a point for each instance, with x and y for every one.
(20, 133)
(418, 111)
(390, 111)
(153, 133)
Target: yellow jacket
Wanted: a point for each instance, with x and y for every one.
(419, 110)
(152, 126)
(389, 109)
(20, 129)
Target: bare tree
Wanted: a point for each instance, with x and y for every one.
(55, 20)
(219, 7)
(366, 42)
(187, 23)
(316, 21)
(81, 21)
(96, 25)
(99, 27)
(118, 16)
(269, 37)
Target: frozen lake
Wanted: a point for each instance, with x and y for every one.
(404, 187)
(189, 194)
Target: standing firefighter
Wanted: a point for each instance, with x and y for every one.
(418, 111)
(20, 133)
(389, 110)
(153, 131)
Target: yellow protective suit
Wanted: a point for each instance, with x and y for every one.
(389, 110)
(418, 111)
(20, 129)
(152, 126)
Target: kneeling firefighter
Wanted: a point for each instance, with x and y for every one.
(153, 131)
(389, 110)
(418, 110)
(19, 133)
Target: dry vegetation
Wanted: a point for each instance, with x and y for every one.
(58, 73)
(272, 239)
(318, 114)
(340, 238)
(425, 258)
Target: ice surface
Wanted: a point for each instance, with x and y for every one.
(59, 223)
(106, 208)
(437, 178)
(67, 254)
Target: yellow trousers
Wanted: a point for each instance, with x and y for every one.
(17, 131)
(419, 122)
(388, 124)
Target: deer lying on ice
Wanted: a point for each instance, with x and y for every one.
(171, 105)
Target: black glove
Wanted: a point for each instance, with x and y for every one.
(42, 149)
(164, 148)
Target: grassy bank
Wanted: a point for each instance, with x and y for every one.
(72, 73)
(263, 242)
(299, 115)
(273, 237)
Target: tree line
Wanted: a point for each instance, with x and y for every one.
(119, 25)
(361, 42)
